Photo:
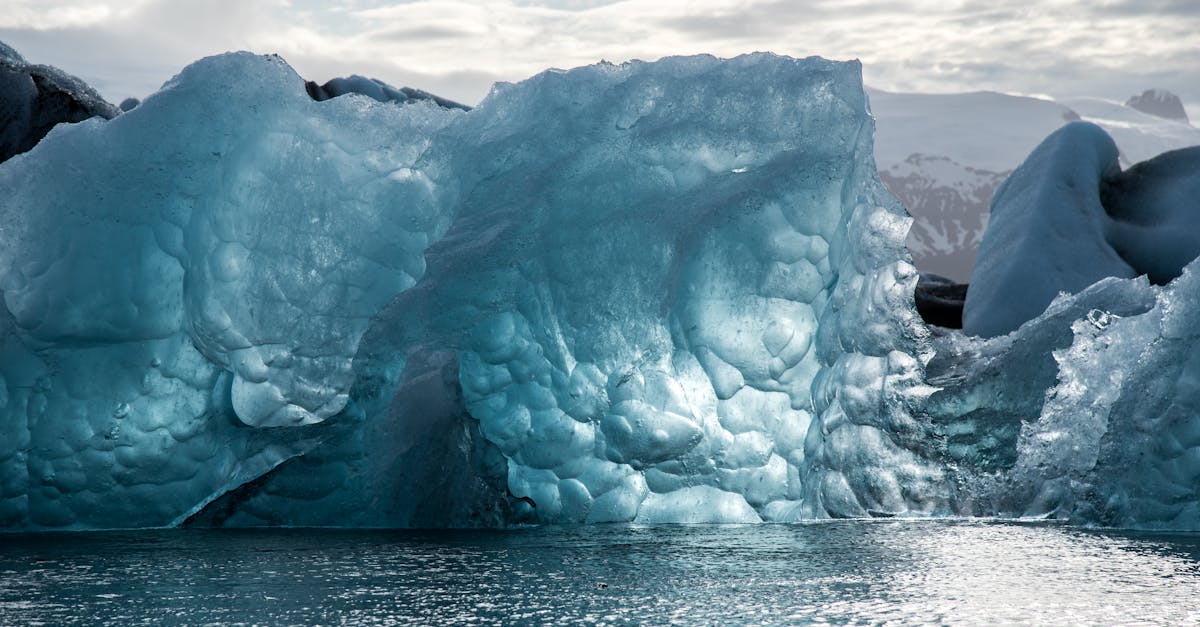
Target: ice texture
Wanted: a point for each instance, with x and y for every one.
(1046, 233)
(180, 273)
(7, 52)
(670, 291)
(654, 267)
(1068, 217)
(1155, 207)
(649, 292)
(34, 98)
(1088, 411)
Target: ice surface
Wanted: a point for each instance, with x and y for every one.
(652, 292)
(1069, 217)
(1047, 232)
(652, 266)
(34, 98)
(604, 295)
(180, 267)
(1155, 206)
(1087, 413)
(375, 89)
(7, 52)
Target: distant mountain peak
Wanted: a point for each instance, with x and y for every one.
(1159, 102)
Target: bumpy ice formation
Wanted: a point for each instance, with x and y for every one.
(653, 292)
(658, 292)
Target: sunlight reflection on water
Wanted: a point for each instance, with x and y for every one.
(958, 572)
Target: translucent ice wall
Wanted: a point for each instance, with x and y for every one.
(678, 292)
(670, 291)
(188, 276)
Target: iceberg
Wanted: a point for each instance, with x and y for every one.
(662, 291)
(375, 89)
(181, 273)
(1047, 232)
(1069, 217)
(34, 98)
(650, 292)
(1085, 411)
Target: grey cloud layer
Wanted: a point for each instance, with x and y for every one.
(1058, 47)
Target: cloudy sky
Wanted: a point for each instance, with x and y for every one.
(1059, 48)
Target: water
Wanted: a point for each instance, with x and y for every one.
(899, 572)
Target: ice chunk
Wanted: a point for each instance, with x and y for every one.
(179, 271)
(376, 89)
(652, 268)
(1047, 232)
(1087, 413)
(252, 233)
(7, 52)
(34, 98)
(1155, 206)
(1069, 217)
(657, 292)
(670, 291)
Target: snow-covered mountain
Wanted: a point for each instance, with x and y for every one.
(943, 155)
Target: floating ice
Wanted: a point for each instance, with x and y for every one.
(375, 89)
(1069, 217)
(653, 292)
(34, 98)
(1047, 232)
(214, 253)
(623, 282)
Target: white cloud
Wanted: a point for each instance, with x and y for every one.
(1059, 47)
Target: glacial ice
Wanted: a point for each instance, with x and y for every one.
(34, 98)
(1047, 232)
(375, 89)
(1068, 217)
(178, 266)
(638, 273)
(1155, 207)
(650, 292)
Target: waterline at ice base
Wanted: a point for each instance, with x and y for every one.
(651, 292)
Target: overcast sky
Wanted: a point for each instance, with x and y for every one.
(1059, 48)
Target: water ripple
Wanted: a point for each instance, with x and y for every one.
(851, 572)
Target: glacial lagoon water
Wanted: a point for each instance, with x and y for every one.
(857, 572)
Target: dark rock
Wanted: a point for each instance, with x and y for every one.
(129, 104)
(940, 300)
(1159, 102)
